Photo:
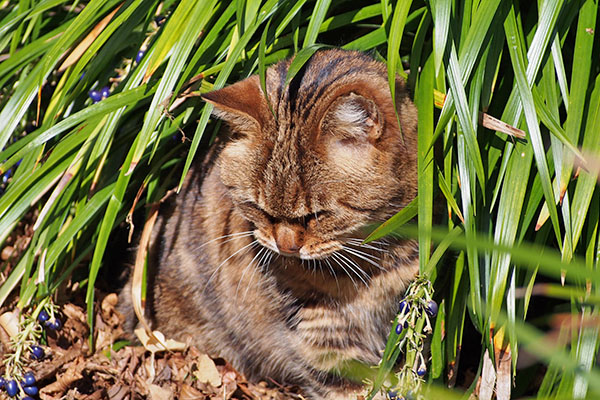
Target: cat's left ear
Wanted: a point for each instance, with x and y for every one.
(353, 117)
(240, 103)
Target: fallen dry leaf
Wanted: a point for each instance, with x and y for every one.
(159, 393)
(159, 344)
(10, 322)
(207, 371)
(64, 380)
(189, 393)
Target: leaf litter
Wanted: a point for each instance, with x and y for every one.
(71, 371)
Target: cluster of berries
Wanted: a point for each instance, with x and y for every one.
(26, 387)
(96, 95)
(54, 324)
(411, 326)
(51, 323)
(99, 95)
(431, 309)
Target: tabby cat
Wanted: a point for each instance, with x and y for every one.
(261, 259)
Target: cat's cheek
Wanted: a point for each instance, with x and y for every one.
(350, 156)
(234, 153)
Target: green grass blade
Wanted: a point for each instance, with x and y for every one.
(534, 134)
(441, 20)
(180, 51)
(582, 62)
(395, 37)
(314, 24)
(587, 180)
(424, 101)
(462, 107)
(300, 59)
(394, 223)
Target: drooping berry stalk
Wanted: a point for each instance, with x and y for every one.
(411, 327)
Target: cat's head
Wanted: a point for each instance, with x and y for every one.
(323, 158)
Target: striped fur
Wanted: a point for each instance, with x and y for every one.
(261, 261)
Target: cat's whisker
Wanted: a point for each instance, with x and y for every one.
(364, 253)
(378, 244)
(268, 260)
(321, 268)
(259, 266)
(359, 243)
(358, 254)
(354, 267)
(257, 255)
(333, 273)
(229, 237)
(335, 258)
(244, 248)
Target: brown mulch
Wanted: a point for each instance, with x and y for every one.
(70, 370)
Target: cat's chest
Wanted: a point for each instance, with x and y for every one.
(328, 336)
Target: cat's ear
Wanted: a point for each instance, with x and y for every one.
(353, 116)
(240, 103)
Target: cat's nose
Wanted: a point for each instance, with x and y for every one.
(289, 239)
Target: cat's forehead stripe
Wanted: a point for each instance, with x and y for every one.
(312, 94)
(314, 79)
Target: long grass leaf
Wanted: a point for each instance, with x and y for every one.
(425, 105)
(441, 20)
(314, 24)
(393, 57)
(578, 93)
(534, 134)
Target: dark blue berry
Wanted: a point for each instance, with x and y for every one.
(432, 308)
(95, 95)
(27, 398)
(399, 329)
(2, 382)
(139, 56)
(6, 176)
(404, 307)
(43, 316)
(159, 19)
(392, 395)
(55, 325)
(12, 388)
(28, 379)
(105, 92)
(421, 371)
(37, 353)
(31, 390)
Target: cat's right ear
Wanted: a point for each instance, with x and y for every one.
(355, 117)
(239, 104)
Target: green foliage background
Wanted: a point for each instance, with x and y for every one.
(522, 214)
